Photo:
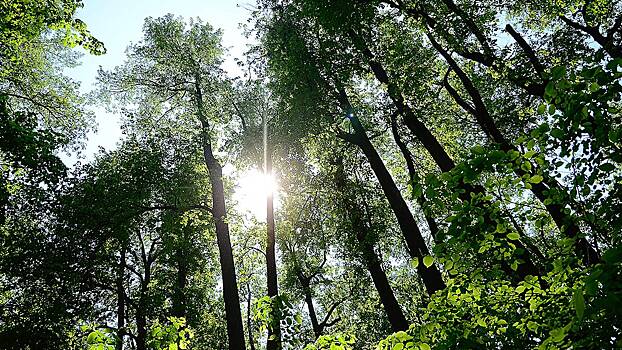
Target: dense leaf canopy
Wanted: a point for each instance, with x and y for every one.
(449, 177)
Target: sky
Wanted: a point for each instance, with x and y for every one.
(119, 22)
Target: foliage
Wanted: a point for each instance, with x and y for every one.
(450, 177)
(171, 336)
(268, 311)
(333, 342)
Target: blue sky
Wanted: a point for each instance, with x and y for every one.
(119, 22)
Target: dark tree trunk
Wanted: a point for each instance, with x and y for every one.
(179, 297)
(235, 332)
(387, 297)
(249, 323)
(231, 297)
(271, 273)
(121, 299)
(141, 309)
(430, 142)
(372, 262)
(541, 190)
(412, 174)
(417, 247)
(306, 289)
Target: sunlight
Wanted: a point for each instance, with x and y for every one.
(251, 191)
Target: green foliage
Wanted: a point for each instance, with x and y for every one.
(552, 312)
(526, 128)
(172, 335)
(333, 342)
(268, 312)
(24, 21)
(98, 338)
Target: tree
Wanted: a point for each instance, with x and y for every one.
(174, 72)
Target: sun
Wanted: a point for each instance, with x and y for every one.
(252, 190)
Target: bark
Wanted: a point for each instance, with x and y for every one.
(121, 300)
(417, 247)
(306, 289)
(607, 42)
(436, 150)
(372, 262)
(235, 332)
(272, 344)
(179, 297)
(420, 130)
(141, 317)
(249, 324)
(531, 54)
(412, 174)
(541, 190)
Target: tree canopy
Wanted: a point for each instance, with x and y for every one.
(449, 176)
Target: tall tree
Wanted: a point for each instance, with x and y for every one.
(175, 73)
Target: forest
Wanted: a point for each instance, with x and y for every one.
(433, 174)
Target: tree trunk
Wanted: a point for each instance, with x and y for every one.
(306, 289)
(249, 324)
(432, 145)
(141, 317)
(417, 247)
(412, 174)
(235, 332)
(541, 190)
(372, 262)
(179, 296)
(120, 299)
(273, 291)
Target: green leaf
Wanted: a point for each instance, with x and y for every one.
(414, 263)
(532, 326)
(424, 346)
(557, 133)
(428, 261)
(551, 109)
(579, 303)
(558, 72)
(557, 335)
(92, 338)
(513, 236)
(536, 179)
(594, 87)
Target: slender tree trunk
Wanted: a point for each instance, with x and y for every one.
(387, 297)
(179, 297)
(141, 329)
(372, 262)
(249, 324)
(141, 317)
(231, 297)
(412, 174)
(541, 190)
(417, 247)
(436, 150)
(306, 289)
(235, 332)
(273, 291)
(120, 299)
